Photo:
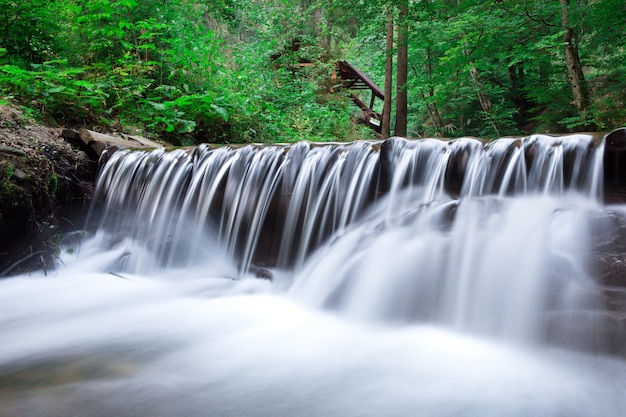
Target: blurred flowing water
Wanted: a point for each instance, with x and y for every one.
(396, 278)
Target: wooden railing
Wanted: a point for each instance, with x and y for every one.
(346, 76)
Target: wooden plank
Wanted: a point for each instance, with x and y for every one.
(370, 117)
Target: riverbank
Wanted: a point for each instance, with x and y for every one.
(45, 185)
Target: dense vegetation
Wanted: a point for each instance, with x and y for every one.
(228, 70)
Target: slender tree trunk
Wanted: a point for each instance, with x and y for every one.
(433, 113)
(432, 107)
(522, 103)
(572, 58)
(485, 101)
(325, 43)
(386, 124)
(324, 34)
(402, 71)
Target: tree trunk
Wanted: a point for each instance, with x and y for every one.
(433, 111)
(522, 103)
(515, 73)
(576, 77)
(485, 101)
(386, 123)
(402, 71)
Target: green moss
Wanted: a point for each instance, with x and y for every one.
(53, 185)
(10, 171)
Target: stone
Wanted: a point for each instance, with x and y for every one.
(19, 174)
(11, 150)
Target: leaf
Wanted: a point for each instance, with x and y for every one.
(158, 106)
(186, 126)
(57, 89)
(221, 111)
(84, 84)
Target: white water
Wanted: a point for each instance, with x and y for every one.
(92, 344)
(426, 306)
(509, 265)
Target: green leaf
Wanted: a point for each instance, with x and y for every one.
(84, 84)
(186, 126)
(55, 90)
(158, 106)
(221, 111)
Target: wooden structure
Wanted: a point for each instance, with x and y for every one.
(353, 79)
(344, 76)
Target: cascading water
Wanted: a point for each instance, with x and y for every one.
(421, 277)
(483, 263)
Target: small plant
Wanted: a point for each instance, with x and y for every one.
(10, 170)
(53, 185)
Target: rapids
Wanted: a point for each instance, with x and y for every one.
(408, 278)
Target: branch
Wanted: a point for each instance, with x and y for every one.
(8, 270)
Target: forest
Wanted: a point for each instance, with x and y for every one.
(243, 71)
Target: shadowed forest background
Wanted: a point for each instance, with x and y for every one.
(239, 71)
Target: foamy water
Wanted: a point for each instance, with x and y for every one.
(93, 344)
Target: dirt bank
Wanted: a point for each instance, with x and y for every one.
(45, 185)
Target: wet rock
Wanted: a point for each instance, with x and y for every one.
(609, 248)
(600, 332)
(615, 166)
(262, 273)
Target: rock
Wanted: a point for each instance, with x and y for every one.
(70, 135)
(93, 144)
(98, 142)
(11, 150)
(82, 155)
(19, 174)
(615, 167)
(143, 141)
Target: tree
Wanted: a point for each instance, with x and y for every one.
(386, 122)
(205, 70)
(402, 69)
(576, 76)
(29, 29)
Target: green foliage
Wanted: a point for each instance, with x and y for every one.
(230, 70)
(53, 185)
(67, 94)
(28, 30)
(10, 169)
(517, 50)
(175, 69)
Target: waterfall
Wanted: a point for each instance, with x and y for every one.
(399, 277)
(487, 238)
(274, 205)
